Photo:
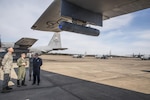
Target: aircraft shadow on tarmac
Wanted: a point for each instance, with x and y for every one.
(55, 86)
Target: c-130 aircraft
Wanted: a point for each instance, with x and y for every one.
(24, 45)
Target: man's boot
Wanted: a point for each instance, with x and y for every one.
(18, 83)
(4, 90)
(23, 83)
(9, 88)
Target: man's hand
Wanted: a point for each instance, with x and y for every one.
(23, 64)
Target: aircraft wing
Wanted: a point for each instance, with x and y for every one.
(24, 43)
(60, 48)
(74, 15)
(54, 49)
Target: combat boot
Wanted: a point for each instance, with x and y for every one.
(23, 83)
(4, 90)
(9, 88)
(18, 83)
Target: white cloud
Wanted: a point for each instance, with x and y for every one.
(16, 19)
(117, 22)
(141, 44)
(143, 34)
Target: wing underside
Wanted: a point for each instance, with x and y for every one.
(82, 12)
(24, 43)
(112, 8)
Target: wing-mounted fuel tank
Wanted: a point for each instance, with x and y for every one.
(80, 17)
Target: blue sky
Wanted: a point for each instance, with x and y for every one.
(121, 35)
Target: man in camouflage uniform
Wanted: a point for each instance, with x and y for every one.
(22, 63)
(7, 64)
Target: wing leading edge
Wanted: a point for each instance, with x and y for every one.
(76, 14)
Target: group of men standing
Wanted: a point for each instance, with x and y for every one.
(34, 68)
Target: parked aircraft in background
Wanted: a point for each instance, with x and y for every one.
(137, 55)
(21, 46)
(54, 44)
(79, 55)
(145, 57)
(140, 56)
(75, 15)
(101, 56)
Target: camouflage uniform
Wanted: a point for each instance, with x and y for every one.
(7, 64)
(21, 70)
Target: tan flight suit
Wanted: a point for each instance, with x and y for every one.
(21, 69)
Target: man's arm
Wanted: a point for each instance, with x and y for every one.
(4, 60)
(0, 62)
(19, 63)
(41, 62)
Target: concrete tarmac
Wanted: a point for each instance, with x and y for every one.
(67, 78)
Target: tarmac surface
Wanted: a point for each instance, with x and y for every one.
(67, 78)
